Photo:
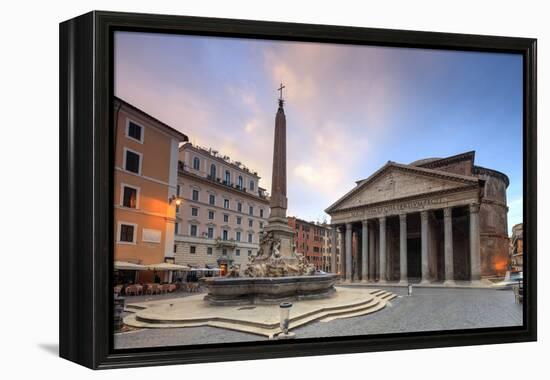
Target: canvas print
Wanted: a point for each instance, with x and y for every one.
(268, 190)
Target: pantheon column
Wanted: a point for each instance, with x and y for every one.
(372, 257)
(424, 246)
(403, 249)
(342, 253)
(348, 252)
(334, 238)
(364, 251)
(475, 260)
(448, 238)
(382, 249)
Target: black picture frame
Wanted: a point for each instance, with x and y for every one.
(86, 188)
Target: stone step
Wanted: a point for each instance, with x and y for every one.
(326, 314)
(295, 319)
(374, 302)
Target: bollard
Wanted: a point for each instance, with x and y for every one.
(284, 310)
(118, 311)
(410, 290)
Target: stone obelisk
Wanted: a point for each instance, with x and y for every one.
(277, 223)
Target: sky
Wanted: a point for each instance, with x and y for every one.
(349, 109)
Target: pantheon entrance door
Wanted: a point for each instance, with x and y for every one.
(414, 261)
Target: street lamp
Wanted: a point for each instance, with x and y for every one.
(175, 199)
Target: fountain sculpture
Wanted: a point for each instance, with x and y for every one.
(277, 272)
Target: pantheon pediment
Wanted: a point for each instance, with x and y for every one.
(397, 181)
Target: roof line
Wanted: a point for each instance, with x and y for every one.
(182, 136)
(457, 157)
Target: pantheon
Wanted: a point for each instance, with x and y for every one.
(437, 220)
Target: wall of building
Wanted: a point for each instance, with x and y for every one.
(309, 239)
(153, 216)
(190, 179)
(493, 223)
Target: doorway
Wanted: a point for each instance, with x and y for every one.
(414, 259)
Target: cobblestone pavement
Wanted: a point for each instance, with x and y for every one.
(428, 309)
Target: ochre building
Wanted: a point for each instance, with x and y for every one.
(434, 220)
(146, 170)
(312, 240)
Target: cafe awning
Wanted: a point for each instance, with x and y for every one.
(167, 266)
(124, 265)
(204, 270)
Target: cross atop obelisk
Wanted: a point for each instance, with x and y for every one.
(280, 89)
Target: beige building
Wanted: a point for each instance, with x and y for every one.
(516, 248)
(434, 220)
(223, 212)
(146, 167)
(328, 246)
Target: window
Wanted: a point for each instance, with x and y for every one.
(132, 161)
(178, 190)
(175, 248)
(240, 182)
(226, 218)
(196, 163)
(238, 236)
(129, 197)
(209, 250)
(176, 228)
(227, 177)
(212, 199)
(251, 210)
(239, 220)
(193, 230)
(249, 252)
(251, 185)
(250, 223)
(225, 234)
(237, 252)
(195, 195)
(211, 215)
(194, 211)
(192, 249)
(127, 232)
(250, 238)
(226, 203)
(261, 225)
(210, 233)
(261, 213)
(239, 207)
(213, 171)
(135, 131)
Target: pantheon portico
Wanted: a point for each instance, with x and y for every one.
(436, 220)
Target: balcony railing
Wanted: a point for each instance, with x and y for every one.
(222, 243)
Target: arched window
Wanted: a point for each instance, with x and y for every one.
(196, 163)
(227, 177)
(240, 183)
(213, 171)
(251, 187)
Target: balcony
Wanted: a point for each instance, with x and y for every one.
(221, 243)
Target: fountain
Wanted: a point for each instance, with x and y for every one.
(277, 273)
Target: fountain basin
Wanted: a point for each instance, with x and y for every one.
(267, 290)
